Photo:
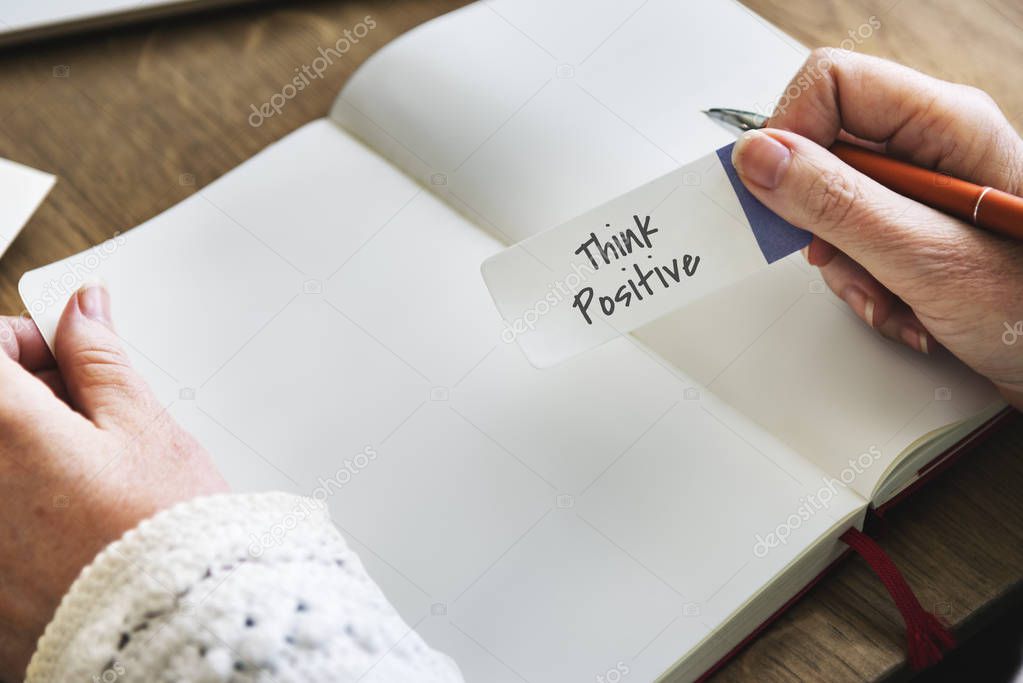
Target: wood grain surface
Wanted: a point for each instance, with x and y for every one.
(133, 120)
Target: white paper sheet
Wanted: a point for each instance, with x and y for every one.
(22, 190)
(524, 114)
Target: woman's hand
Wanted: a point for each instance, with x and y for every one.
(86, 453)
(911, 272)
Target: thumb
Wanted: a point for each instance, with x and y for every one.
(97, 373)
(899, 241)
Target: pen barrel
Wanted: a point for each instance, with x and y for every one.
(983, 206)
(945, 193)
(1001, 211)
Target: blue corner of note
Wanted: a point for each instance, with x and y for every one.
(776, 237)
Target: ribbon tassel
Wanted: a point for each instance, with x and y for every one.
(927, 637)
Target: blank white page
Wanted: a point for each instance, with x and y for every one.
(315, 307)
(787, 353)
(525, 113)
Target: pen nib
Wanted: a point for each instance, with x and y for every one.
(736, 119)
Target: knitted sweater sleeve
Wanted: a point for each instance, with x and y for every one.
(234, 588)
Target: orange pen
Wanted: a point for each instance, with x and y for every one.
(985, 207)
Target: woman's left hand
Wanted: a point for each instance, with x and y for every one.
(86, 453)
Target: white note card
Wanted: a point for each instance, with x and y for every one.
(623, 264)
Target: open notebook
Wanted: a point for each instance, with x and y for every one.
(643, 506)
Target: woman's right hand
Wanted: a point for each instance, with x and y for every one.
(913, 273)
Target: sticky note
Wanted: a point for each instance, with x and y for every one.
(776, 237)
(634, 259)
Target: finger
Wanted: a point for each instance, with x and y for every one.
(874, 304)
(51, 378)
(24, 400)
(21, 341)
(845, 136)
(929, 122)
(22, 397)
(907, 246)
(905, 327)
(868, 298)
(819, 252)
(97, 373)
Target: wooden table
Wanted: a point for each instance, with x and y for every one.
(134, 120)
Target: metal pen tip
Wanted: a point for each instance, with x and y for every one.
(736, 119)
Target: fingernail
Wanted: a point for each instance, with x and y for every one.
(805, 251)
(760, 158)
(94, 301)
(861, 304)
(915, 338)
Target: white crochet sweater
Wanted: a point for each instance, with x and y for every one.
(232, 588)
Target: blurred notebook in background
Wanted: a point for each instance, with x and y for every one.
(22, 21)
(640, 508)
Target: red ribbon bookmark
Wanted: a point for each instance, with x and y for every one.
(928, 638)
